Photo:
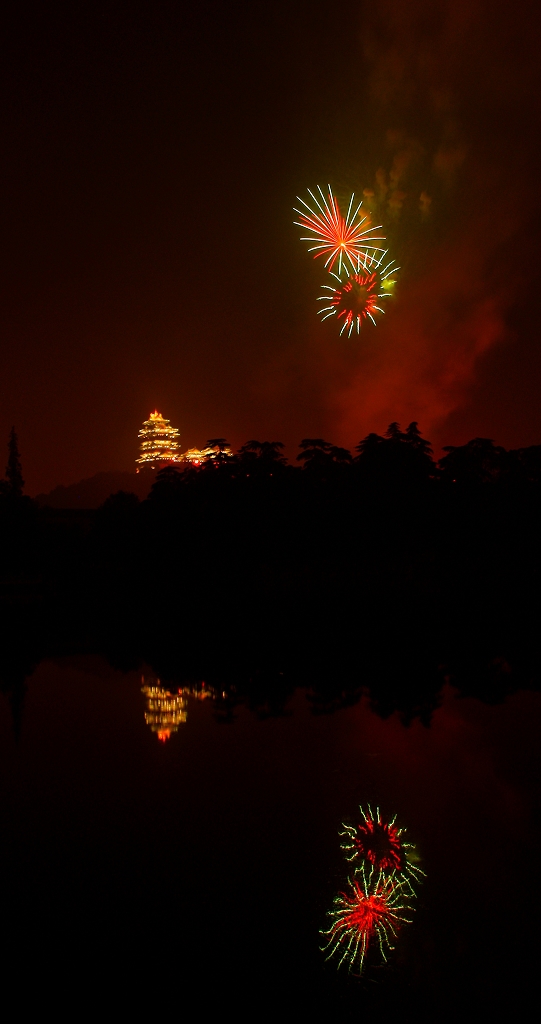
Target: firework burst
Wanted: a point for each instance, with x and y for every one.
(371, 912)
(356, 295)
(343, 239)
(381, 843)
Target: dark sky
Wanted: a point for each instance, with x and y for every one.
(150, 157)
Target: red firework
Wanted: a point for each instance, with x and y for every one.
(356, 297)
(381, 843)
(372, 910)
(339, 238)
(353, 301)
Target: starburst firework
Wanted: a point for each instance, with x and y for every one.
(356, 295)
(372, 911)
(337, 237)
(382, 844)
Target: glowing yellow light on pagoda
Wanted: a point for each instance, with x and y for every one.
(196, 456)
(158, 442)
(165, 710)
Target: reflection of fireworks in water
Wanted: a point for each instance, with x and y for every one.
(381, 843)
(373, 910)
(356, 296)
(335, 236)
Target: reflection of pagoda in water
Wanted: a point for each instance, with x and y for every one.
(166, 710)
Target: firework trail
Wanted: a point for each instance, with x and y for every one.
(337, 237)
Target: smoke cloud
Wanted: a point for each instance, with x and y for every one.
(451, 86)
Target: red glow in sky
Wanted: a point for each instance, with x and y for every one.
(150, 162)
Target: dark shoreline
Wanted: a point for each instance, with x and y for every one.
(259, 577)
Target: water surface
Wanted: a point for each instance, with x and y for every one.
(140, 870)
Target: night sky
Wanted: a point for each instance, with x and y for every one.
(151, 155)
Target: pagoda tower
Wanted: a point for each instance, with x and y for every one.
(159, 444)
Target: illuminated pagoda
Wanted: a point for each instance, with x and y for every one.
(159, 444)
(165, 711)
(197, 456)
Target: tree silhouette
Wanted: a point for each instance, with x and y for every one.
(217, 442)
(398, 457)
(262, 458)
(222, 455)
(14, 473)
(394, 432)
(321, 458)
(269, 451)
(414, 438)
(168, 484)
(120, 505)
(479, 461)
(368, 445)
(528, 461)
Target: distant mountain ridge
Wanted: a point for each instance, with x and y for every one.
(92, 492)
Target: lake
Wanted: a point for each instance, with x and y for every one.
(149, 862)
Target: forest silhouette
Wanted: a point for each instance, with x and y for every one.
(381, 571)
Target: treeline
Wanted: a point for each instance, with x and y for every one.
(381, 569)
(12, 485)
(398, 457)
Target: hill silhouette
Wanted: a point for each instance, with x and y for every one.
(92, 492)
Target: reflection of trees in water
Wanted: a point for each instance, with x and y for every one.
(396, 681)
(15, 688)
(20, 652)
